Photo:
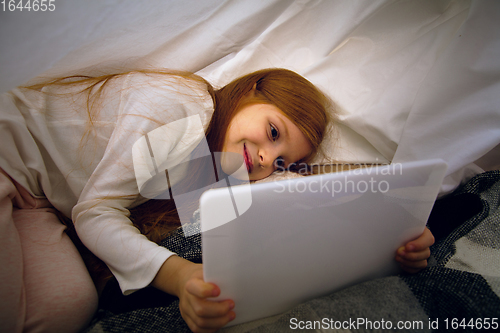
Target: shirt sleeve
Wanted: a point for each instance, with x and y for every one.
(101, 215)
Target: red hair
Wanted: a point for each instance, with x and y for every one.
(298, 99)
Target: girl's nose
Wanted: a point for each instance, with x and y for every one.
(266, 158)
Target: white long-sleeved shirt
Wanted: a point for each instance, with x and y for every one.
(83, 164)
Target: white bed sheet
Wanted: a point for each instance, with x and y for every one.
(412, 79)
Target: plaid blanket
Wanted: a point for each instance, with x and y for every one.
(459, 291)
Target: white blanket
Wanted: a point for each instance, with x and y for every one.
(412, 79)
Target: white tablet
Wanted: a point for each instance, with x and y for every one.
(298, 239)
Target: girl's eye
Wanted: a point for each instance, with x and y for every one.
(279, 162)
(274, 133)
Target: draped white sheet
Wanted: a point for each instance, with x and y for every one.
(412, 79)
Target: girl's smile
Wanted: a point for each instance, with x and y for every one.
(248, 159)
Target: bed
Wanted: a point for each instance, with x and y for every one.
(411, 80)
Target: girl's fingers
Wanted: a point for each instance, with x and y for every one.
(410, 263)
(411, 266)
(207, 316)
(211, 309)
(212, 323)
(203, 315)
(202, 289)
(197, 324)
(421, 243)
(199, 312)
(414, 256)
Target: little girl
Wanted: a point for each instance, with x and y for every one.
(67, 150)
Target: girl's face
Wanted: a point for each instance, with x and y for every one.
(266, 139)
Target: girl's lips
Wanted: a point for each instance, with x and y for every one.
(248, 159)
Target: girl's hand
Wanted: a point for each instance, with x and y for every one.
(184, 279)
(200, 313)
(413, 256)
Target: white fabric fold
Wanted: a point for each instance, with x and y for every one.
(412, 79)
